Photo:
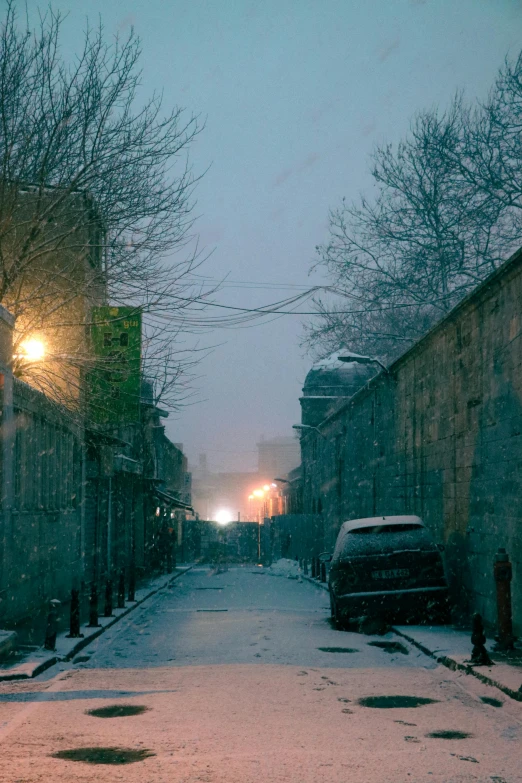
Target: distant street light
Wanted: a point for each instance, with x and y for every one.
(224, 517)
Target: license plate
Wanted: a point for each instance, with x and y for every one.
(391, 573)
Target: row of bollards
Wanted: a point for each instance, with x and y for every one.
(75, 613)
(317, 568)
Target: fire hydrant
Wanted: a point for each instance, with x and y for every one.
(503, 575)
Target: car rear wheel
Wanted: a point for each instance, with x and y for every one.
(340, 620)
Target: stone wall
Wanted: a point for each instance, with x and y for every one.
(42, 533)
(440, 435)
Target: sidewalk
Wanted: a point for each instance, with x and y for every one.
(38, 660)
(452, 648)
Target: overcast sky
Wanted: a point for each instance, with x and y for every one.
(295, 94)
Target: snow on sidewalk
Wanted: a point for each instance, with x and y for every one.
(37, 661)
(285, 567)
(452, 648)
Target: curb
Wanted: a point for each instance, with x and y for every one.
(322, 585)
(450, 663)
(42, 665)
(7, 643)
(444, 660)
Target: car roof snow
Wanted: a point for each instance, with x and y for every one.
(357, 524)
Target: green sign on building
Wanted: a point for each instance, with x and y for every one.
(114, 383)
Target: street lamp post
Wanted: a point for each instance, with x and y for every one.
(307, 427)
(355, 358)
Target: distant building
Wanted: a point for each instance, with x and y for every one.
(217, 492)
(231, 492)
(277, 456)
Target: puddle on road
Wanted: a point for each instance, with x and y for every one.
(449, 735)
(117, 711)
(395, 702)
(211, 610)
(492, 702)
(338, 649)
(104, 755)
(391, 647)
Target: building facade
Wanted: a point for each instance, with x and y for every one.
(438, 435)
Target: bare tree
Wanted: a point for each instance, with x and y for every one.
(95, 203)
(490, 157)
(406, 257)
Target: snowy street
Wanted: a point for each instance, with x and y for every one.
(239, 677)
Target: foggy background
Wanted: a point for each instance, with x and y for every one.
(295, 95)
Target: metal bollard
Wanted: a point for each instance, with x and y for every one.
(132, 584)
(323, 572)
(503, 575)
(74, 623)
(93, 607)
(121, 590)
(108, 599)
(479, 654)
(52, 625)
(314, 569)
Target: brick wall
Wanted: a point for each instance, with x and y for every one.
(439, 436)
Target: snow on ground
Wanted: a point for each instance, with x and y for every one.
(285, 567)
(244, 680)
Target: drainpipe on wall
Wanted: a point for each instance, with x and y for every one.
(7, 439)
(109, 529)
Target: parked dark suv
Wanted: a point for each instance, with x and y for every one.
(387, 567)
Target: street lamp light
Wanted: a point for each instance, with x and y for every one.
(224, 517)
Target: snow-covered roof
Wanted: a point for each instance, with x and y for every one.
(357, 524)
(335, 377)
(333, 362)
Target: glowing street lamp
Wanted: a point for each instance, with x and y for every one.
(224, 517)
(33, 350)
